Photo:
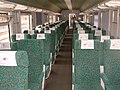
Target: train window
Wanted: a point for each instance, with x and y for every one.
(58, 18)
(50, 19)
(114, 17)
(54, 18)
(4, 34)
(96, 20)
(26, 22)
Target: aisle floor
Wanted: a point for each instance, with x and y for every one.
(60, 77)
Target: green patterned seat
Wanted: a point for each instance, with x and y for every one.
(14, 46)
(53, 44)
(47, 52)
(88, 87)
(56, 40)
(76, 37)
(14, 75)
(60, 34)
(14, 40)
(101, 57)
(111, 75)
(35, 50)
(87, 68)
(103, 32)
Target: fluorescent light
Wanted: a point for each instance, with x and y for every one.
(102, 6)
(96, 9)
(31, 9)
(69, 4)
(45, 11)
(20, 7)
(39, 10)
(113, 3)
(81, 13)
(57, 14)
(5, 5)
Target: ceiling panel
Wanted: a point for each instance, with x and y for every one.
(58, 5)
(76, 4)
(90, 3)
(43, 4)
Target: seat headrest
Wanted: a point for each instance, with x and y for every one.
(40, 36)
(87, 44)
(83, 37)
(19, 36)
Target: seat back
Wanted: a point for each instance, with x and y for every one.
(112, 60)
(87, 68)
(103, 38)
(46, 38)
(13, 70)
(53, 43)
(34, 48)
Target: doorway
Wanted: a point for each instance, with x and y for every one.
(72, 17)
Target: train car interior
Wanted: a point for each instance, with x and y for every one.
(59, 44)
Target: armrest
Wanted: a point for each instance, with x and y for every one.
(73, 78)
(105, 78)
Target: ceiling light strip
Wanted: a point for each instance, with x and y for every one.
(69, 4)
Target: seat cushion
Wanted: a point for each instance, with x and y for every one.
(88, 87)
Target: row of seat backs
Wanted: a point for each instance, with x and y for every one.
(47, 40)
(87, 63)
(14, 70)
(101, 57)
(35, 63)
(111, 63)
(112, 60)
(22, 46)
(87, 68)
(111, 75)
(88, 29)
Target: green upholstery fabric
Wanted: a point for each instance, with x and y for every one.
(35, 50)
(111, 76)
(14, 41)
(47, 50)
(101, 57)
(53, 45)
(13, 46)
(36, 86)
(56, 40)
(34, 36)
(103, 32)
(97, 37)
(88, 87)
(87, 68)
(15, 77)
(76, 36)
